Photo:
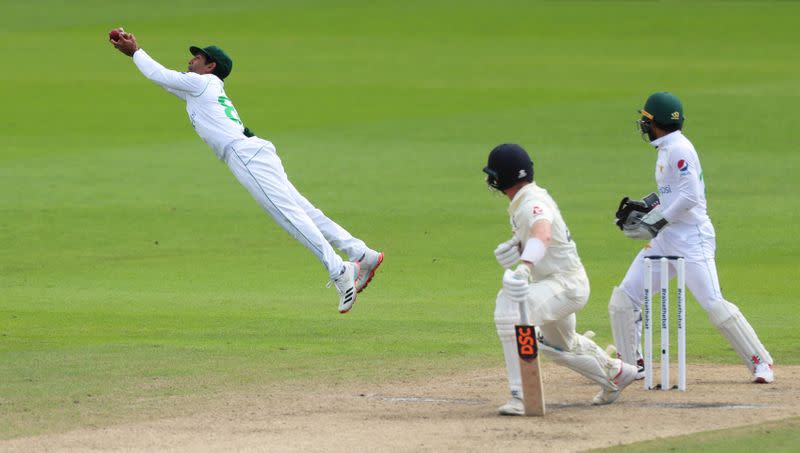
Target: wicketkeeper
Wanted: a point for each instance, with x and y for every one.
(676, 223)
(556, 286)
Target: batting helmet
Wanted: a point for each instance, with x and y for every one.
(508, 164)
(664, 109)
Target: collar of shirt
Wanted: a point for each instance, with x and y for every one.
(512, 207)
(666, 139)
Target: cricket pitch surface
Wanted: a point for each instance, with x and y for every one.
(444, 413)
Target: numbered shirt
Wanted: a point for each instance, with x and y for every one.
(210, 110)
(531, 204)
(679, 177)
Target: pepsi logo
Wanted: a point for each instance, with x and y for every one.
(683, 165)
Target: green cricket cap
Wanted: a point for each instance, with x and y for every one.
(663, 108)
(218, 56)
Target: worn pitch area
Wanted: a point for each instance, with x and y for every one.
(443, 413)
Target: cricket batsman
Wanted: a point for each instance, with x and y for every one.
(255, 162)
(675, 222)
(554, 287)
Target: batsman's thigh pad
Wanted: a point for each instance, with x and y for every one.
(549, 300)
(734, 327)
(559, 334)
(624, 325)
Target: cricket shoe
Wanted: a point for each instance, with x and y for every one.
(611, 350)
(514, 406)
(345, 284)
(368, 264)
(763, 374)
(626, 375)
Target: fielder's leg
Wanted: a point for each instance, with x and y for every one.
(258, 168)
(624, 325)
(337, 236)
(702, 281)
(368, 260)
(625, 308)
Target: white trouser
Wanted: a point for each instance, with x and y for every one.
(697, 244)
(258, 168)
(552, 304)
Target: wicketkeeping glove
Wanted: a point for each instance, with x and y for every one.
(507, 253)
(647, 226)
(516, 286)
(630, 211)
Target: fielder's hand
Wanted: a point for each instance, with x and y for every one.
(126, 43)
(507, 253)
(515, 285)
(647, 226)
(630, 211)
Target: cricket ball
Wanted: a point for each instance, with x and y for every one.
(115, 34)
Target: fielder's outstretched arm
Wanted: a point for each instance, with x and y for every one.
(172, 81)
(187, 82)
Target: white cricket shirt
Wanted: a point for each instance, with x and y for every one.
(211, 112)
(679, 177)
(531, 204)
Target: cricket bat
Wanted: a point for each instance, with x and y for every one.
(528, 349)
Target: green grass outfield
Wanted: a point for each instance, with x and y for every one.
(778, 436)
(129, 255)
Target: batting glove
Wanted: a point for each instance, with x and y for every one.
(515, 286)
(507, 253)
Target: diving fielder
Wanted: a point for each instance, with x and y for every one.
(256, 164)
(555, 286)
(680, 226)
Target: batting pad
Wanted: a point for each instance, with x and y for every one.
(506, 315)
(734, 327)
(587, 359)
(623, 325)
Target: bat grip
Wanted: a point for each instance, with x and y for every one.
(523, 315)
(523, 309)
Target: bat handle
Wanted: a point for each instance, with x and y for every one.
(522, 272)
(523, 315)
